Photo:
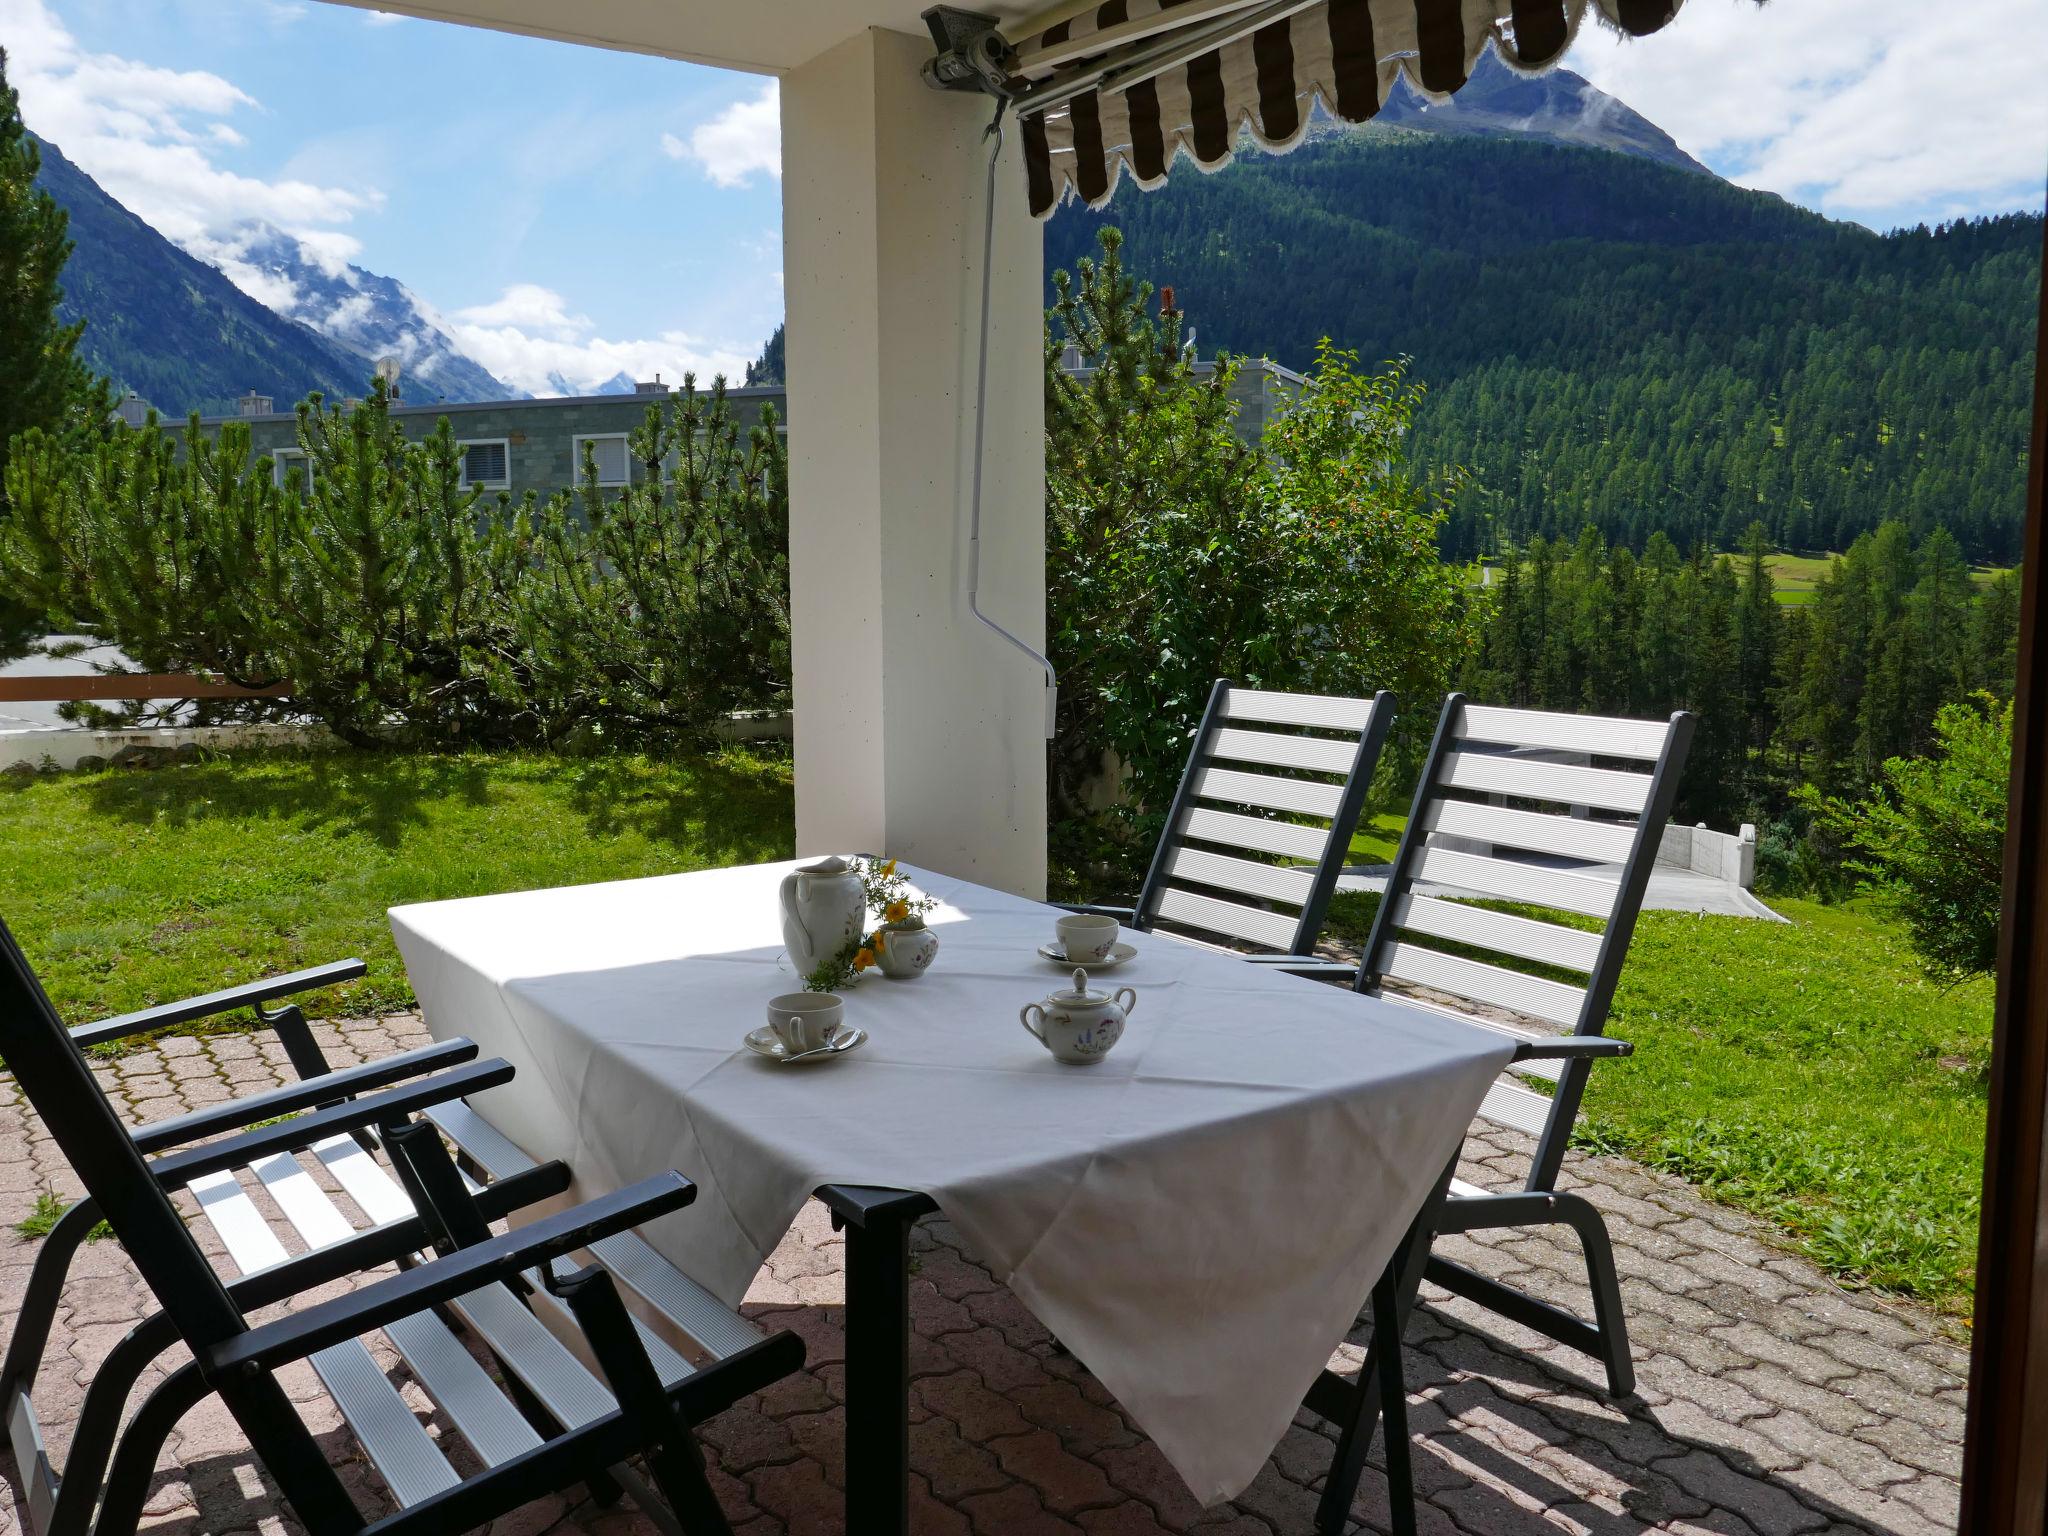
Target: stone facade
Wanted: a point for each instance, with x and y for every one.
(540, 436)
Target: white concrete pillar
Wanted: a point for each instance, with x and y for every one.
(918, 732)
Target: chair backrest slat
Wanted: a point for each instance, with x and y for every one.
(1269, 882)
(1517, 991)
(1600, 735)
(1313, 754)
(1324, 711)
(1289, 839)
(1533, 778)
(1306, 797)
(1511, 880)
(1263, 818)
(1255, 924)
(1522, 937)
(1571, 837)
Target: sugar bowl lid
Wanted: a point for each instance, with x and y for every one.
(1079, 993)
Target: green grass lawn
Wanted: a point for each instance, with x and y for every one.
(1805, 1072)
(128, 888)
(1808, 1073)
(1376, 841)
(1795, 576)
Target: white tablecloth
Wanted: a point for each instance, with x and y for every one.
(1198, 1217)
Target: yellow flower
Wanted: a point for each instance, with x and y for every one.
(864, 959)
(889, 868)
(896, 911)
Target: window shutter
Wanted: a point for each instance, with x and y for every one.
(484, 464)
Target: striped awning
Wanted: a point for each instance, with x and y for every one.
(1119, 88)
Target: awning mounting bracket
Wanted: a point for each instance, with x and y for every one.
(972, 54)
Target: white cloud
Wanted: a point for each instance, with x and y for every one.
(529, 337)
(1880, 110)
(148, 135)
(382, 18)
(746, 137)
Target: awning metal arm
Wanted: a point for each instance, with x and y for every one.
(1147, 60)
(988, 264)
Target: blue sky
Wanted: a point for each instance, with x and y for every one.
(566, 208)
(541, 196)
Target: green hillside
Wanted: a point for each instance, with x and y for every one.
(1611, 340)
(171, 328)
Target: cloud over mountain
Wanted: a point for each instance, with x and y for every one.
(530, 337)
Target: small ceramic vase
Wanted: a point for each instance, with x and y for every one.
(904, 950)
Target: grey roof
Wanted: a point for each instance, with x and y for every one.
(542, 402)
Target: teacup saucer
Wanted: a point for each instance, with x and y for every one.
(763, 1042)
(1118, 954)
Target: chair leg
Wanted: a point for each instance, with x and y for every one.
(1340, 1485)
(39, 1301)
(93, 1439)
(678, 1470)
(135, 1459)
(1356, 1407)
(1605, 1281)
(673, 1457)
(1386, 1323)
(1606, 1337)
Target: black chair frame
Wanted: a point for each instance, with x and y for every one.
(238, 1362)
(1539, 1202)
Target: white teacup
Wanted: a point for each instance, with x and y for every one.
(805, 1021)
(1087, 937)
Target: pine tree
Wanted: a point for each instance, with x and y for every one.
(42, 382)
(1994, 637)
(1757, 627)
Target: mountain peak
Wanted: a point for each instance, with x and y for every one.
(369, 314)
(1557, 106)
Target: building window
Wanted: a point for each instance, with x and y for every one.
(487, 465)
(287, 462)
(608, 450)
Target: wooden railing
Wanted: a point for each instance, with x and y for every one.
(130, 687)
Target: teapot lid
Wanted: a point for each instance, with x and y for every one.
(834, 865)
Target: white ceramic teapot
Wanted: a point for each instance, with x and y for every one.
(824, 905)
(1080, 1027)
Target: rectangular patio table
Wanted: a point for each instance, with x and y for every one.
(1198, 1217)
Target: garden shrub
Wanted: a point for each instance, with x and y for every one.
(407, 609)
(1930, 840)
(1176, 553)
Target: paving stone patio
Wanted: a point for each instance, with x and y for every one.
(1771, 1401)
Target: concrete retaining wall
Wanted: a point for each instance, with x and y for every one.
(67, 747)
(1722, 855)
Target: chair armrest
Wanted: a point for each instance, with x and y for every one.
(438, 1280)
(292, 1097)
(1090, 909)
(293, 1135)
(211, 1003)
(1571, 1048)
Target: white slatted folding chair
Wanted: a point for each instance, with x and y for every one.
(1262, 821)
(1548, 815)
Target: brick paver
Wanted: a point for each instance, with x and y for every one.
(1770, 1400)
